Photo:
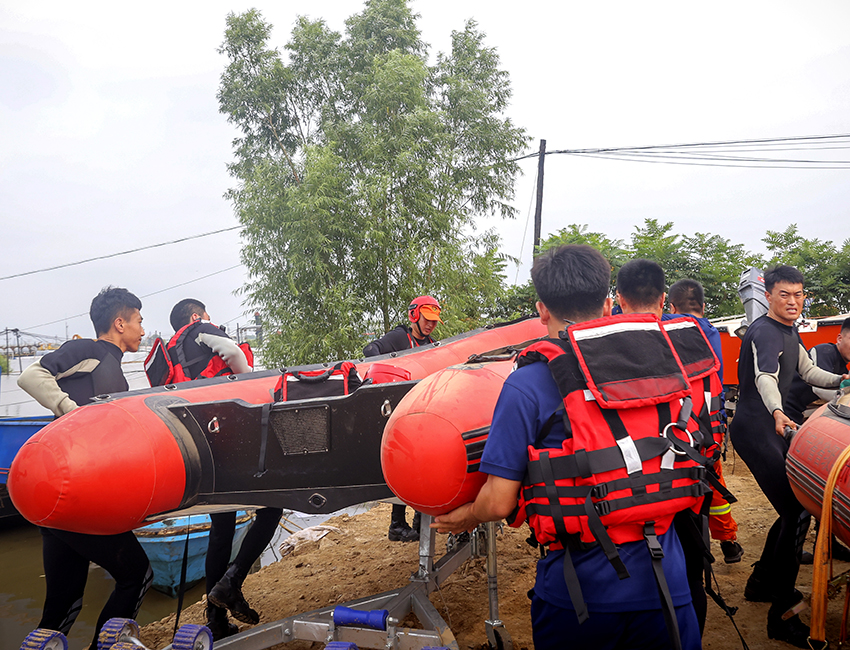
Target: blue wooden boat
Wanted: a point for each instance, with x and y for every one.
(14, 432)
(165, 541)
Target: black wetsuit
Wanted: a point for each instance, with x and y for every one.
(83, 369)
(397, 339)
(219, 547)
(775, 350)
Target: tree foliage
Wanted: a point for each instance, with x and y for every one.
(712, 260)
(825, 267)
(360, 169)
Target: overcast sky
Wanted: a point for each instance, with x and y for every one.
(111, 139)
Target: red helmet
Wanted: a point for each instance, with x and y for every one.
(431, 311)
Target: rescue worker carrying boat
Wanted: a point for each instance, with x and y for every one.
(423, 314)
(585, 460)
(62, 381)
(198, 350)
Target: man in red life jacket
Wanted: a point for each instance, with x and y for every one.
(640, 290)
(572, 284)
(201, 349)
(423, 314)
(687, 298)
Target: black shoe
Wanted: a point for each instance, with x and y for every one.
(221, 630)
(218, 624)
(401, 532)
(792, 630)
(759, 588)
(732, 551)
(807, 558)
(227, 593)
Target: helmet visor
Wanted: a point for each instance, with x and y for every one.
(430, 312)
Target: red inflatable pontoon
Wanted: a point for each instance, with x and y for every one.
(814, 450)
(202, 446)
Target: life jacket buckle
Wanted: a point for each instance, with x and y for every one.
(602, 508)
(652, 542)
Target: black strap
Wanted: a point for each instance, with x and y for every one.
(602, 490)
(721, 489)
(656, 553)
(574, 587)
(717, 598)
(547, 427)
(552, 496)
(601, 535)
(598, 461)
(264, 438)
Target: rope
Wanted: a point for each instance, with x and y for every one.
(822, 566)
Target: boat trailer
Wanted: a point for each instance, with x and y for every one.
(370, 622)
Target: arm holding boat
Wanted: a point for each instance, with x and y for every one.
(814, 375)
(496, 500)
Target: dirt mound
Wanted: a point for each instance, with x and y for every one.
(360, 561)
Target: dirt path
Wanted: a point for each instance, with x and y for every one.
(360, 561)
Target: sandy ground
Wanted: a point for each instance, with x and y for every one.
(360, 561)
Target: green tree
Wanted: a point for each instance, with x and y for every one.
(653, 241)
(360, 169)
(716, 263)
(612, 249)
(825, 268)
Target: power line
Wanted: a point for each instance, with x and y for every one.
(717, 153)
(707, 162)
(103, 257)
(147, 295)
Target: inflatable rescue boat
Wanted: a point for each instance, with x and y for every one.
(215, 444)
(814, 449)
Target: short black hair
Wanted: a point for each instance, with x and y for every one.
(641, 282)
(181, 313)
(845, 326)
(687, 296)
(572, 281)
(109, 304)
(781, 273)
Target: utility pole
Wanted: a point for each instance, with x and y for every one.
(538, 210)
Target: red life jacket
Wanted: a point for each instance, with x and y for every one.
(635, 433)
(168, 364)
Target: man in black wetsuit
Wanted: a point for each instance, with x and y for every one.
(423, 314)
(772, 354)
(62, 381)
(198, 342)
(832, 357)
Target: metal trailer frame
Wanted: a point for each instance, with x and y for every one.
(318, 625)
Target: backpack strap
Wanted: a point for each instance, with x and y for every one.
(656, 553)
